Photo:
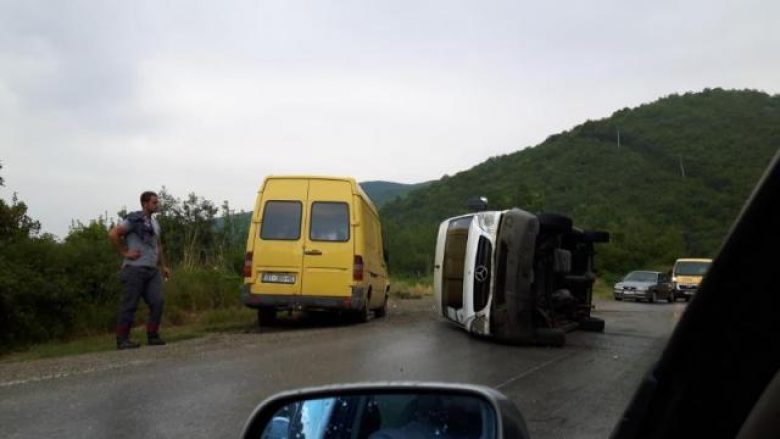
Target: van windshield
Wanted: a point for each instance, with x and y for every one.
(691, 268)
(281, 221)
(329, 222)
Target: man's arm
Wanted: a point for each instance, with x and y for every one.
(161, 261)
(117, 237)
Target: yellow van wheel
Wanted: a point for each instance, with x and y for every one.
(382, 311)
(266, 316)
(363, 314)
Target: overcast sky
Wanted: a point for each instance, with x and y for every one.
(102, 100)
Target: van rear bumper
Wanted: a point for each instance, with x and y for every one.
(299, 302)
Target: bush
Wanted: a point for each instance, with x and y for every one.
(198, 289)
(56, 290)
(36, 304)
(411, 288)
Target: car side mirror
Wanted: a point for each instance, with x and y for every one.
(387, 411)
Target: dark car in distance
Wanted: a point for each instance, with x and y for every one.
(645, 285)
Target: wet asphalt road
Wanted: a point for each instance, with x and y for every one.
(207, 387)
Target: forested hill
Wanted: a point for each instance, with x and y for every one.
(667, 179)
(381, 192)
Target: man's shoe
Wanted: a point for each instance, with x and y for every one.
(154, 340)
(125, 343)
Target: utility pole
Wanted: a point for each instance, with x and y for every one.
(618, 133)
(682, 167)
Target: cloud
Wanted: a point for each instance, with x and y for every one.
(101, 100)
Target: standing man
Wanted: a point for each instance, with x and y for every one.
(138, 240)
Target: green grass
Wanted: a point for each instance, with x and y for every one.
(404, 288)
(602, 289)
(220, 320)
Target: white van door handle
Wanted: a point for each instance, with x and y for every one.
(312, 252)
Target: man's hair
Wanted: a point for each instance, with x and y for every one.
(146, 196)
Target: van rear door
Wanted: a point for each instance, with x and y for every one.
(328, 242)
(278, 250)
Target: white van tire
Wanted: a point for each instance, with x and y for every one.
(554, 223)
(592, 324)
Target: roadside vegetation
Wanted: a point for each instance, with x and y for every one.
(66, 290)
(235, 319)
(411, 288)
(670, 187)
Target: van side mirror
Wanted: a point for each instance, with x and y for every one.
(386, 411)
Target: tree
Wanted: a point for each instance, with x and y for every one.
(188, 229)
(14, 221)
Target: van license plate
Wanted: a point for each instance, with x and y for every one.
(278, 278)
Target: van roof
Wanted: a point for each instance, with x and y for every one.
(355, 186)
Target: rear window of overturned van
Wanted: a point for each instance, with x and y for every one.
(281, 220)
(329, 222)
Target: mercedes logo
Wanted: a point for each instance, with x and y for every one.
(481, 273)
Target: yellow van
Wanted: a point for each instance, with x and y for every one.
(314, 244)
(687, 275)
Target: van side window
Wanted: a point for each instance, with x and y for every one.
(329, 222)
(281, 221)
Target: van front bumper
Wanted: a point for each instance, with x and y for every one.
(687, 292)
(303, 303)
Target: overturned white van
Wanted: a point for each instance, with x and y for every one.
(519, 277)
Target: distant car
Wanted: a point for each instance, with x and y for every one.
(687, 275)
(645, 285)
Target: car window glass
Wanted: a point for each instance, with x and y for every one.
(329, 222)
(691, 268)
(281, 221)
(641, 276)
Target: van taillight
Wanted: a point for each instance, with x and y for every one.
(248, 265)
(357, 268)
